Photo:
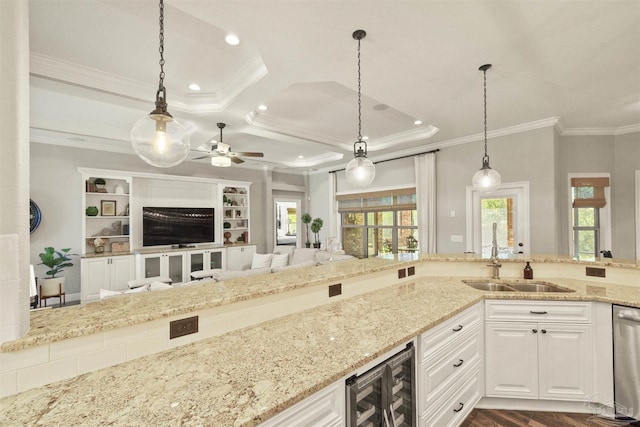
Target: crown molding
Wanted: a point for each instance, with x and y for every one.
(419, 133)
(621, 130)
(49, 68)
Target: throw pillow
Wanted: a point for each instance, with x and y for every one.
(201, 274)
(159, 286)
(261, 261)
(279, 260)
(106, 293)
(305, 264)
(301, 255)
(144, 288)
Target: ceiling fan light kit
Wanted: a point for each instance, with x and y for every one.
(221, 162)
(158, 138)
(360, 171)
(486, 180)
(221, 154)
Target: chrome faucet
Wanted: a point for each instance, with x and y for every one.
(495, 264)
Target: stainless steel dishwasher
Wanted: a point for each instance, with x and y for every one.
(626, 361)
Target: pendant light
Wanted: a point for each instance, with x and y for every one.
(158, 138)
(486, 179)
(360, 171)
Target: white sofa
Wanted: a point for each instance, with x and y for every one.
(283, 258)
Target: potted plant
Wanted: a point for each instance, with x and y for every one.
(56, 261)
(306, 220)
(316, 225)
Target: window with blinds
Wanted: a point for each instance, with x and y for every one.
(378, 223)
(588, 197)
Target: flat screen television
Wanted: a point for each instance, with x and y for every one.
(176, 226)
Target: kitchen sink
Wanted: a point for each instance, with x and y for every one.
(489, 286)
(514, 286)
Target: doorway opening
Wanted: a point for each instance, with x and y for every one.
(287, 222)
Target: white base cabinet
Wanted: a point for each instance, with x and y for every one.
(110, 273)
(237, 257)
(544, 352)
(325, 408)
(170, 264)
(206, 259)
(450, 373)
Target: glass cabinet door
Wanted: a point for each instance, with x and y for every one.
(152, 266)
(216, 260)
(196, 261)
(176, 267)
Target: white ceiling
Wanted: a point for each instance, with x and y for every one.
(94, 72)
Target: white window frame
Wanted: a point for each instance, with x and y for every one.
(604, 214)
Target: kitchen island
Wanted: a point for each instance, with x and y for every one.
(248, 375)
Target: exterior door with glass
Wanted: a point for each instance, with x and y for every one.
(508, 207)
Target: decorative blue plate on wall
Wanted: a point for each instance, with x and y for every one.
(34, 216)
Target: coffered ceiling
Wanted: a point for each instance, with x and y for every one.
(94, 72)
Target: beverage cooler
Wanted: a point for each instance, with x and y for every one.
(384, 395)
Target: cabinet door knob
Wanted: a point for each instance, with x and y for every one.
(544, 331)
(457, 365)
(535, 331)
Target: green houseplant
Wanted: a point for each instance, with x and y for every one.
(55, 260)
(306, 220)
(316, 226)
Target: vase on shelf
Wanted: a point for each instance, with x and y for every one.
(92, 211)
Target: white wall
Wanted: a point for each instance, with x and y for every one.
(541, 157)
(518, 157)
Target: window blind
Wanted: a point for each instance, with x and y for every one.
(589, 192)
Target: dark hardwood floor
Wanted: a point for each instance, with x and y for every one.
(504, 418)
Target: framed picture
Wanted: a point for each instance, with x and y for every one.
(108, 207)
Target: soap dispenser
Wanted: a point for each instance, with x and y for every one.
(528, 271)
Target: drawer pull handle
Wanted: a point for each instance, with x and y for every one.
(457, 365)
(457, 329)
(460, 408)
(537, 312)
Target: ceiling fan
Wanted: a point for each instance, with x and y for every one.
(221, 154)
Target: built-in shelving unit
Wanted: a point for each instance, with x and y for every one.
(235, 214)
(105, 206)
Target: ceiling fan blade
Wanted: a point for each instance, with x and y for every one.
(248, 154)
(236, 160)
(201, 157)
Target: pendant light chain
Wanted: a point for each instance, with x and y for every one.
(486, 156)
(161, 49)
(359, 97)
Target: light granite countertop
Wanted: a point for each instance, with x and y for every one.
(54, 325)
(245, 377)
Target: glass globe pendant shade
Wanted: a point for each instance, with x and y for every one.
(486, 180)
(360, 171)
(160, 140)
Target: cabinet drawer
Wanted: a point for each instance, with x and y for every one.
(545, 311)
(453, 407)
(457, 327)
(438, 374)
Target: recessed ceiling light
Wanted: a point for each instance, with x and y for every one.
(301, 156)
(417, 122)
(232, 39)
(262, 107)
(194, 86)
